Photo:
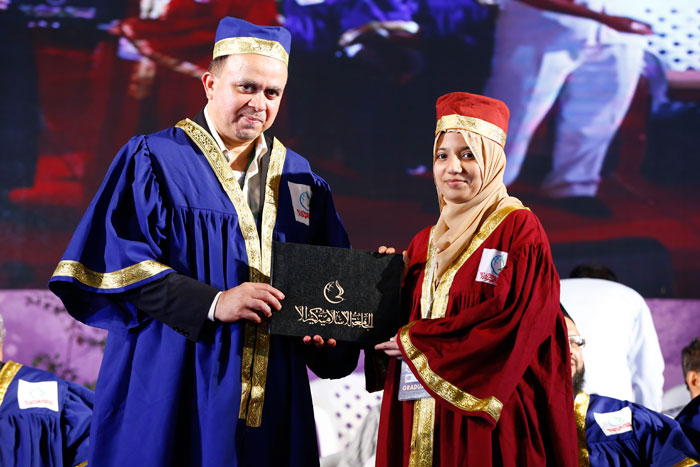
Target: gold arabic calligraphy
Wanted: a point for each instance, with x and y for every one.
(323, 316)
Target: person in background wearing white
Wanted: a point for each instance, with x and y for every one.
(623, 348)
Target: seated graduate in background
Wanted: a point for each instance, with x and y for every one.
(622, 433)
(44, 420)
(689, 418)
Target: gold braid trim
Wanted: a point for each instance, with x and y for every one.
(269, 218)
(251, 45)
(109, 280)
(249, 231)
(475, 125)
(427, 291)
(440, 297)
(446, 390)
(82, 464)
(422, 433)
(687, 462)
(7, 374)
(249, 335)
(581, 402)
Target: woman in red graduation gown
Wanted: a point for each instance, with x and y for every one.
(486, 339)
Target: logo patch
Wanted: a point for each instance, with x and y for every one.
(491, 265)
(301, 201)
(41, 395)
(614, 423)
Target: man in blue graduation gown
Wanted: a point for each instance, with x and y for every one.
(44, 420)
(173, 258)
(612, 432)
(689, 417)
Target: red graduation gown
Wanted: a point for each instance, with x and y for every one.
(497, 363)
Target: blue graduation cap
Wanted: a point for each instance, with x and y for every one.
(236, 36)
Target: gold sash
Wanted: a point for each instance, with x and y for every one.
(256, 339)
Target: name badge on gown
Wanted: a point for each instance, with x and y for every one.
(410, 388)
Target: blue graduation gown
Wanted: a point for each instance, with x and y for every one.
(171, 203)
(689, 418)
(621, 433)
(51, 425)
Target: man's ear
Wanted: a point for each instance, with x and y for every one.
(208, 81)
(692, 379)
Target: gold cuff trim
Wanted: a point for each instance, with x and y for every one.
(7, 374)
(256, 339)
(109, 280)
(422, 433)
(581, 402)
(446, 390)
(251, 45)
(687, 462)
(476, 125)
(82, 464)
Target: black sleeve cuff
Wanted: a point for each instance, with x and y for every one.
(177, 301)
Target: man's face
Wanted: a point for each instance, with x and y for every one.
(576, 354)
(244, 96)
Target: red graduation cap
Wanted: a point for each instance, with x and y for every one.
(472, 112)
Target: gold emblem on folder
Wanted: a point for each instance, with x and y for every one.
(333, 292)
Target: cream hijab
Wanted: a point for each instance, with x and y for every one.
(458, 223)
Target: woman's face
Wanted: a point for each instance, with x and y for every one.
(456, 172)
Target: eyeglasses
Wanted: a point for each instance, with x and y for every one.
(577, 341)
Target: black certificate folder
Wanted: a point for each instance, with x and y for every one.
(348, 295)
